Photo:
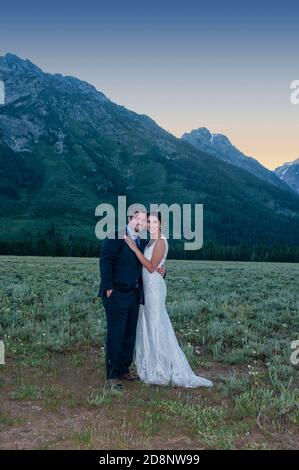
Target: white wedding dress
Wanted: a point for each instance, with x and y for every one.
(159, 358)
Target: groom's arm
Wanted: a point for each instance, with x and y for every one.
(109, 252)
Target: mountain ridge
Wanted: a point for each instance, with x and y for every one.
(289, 173)
(65, 148)
(221, 147)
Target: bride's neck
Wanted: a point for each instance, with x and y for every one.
(155, 236)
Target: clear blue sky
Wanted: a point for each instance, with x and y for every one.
(225, 65)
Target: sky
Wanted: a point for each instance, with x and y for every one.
(224, 65)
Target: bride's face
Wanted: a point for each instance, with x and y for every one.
(153, 225)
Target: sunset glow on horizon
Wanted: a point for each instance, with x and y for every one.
(225, 66)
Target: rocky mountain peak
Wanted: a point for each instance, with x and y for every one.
(219, 146)
(289, 173)
(23, 78)
(13, 63)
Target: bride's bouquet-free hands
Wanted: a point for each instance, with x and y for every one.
(133, 245)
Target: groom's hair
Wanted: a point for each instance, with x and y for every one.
(143, 211)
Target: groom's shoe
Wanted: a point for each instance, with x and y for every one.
(115, 385)
(130, 377)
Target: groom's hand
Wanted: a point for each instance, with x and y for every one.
(161, 271)
(108, 293)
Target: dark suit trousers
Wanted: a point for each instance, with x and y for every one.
(122, 316)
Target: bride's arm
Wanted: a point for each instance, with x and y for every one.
(158, 253)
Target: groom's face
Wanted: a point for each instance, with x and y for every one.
(138, 221)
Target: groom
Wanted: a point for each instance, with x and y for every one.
(121, 291)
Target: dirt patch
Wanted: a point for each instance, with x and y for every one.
(49, 407)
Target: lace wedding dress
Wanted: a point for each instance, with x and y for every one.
(159, 358)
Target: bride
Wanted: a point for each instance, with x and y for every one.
(159, 358)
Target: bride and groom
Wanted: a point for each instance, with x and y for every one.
(133, 292)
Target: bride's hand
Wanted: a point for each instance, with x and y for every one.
(131, 243)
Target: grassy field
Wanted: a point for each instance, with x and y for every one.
(234, 320)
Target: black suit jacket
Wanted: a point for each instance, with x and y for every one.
(119, 265)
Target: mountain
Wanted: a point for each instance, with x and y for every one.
(289, 173)
(220, 147)
(65, 148)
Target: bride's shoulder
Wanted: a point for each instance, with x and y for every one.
(163, 237)
(162, 243)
